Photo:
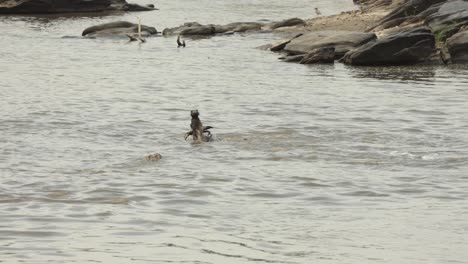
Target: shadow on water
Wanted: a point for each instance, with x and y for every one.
(402, 73)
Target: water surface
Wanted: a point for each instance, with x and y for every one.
(322, 164)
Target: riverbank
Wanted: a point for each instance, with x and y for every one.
(414, 32)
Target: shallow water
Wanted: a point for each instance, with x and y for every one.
(322, 164)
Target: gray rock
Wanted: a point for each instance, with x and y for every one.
(457, 46)
(190, 28)
(194, 28)
(408, 9)
(136, 7)
(119, 28)
(286, 23)
(293, 58)
(238, 27)
(279, 46)
(320, 55)
(66, 6)
(449, 18)
(406, 47)
(53, 6)
(342, 41)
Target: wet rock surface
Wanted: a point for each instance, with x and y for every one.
(195, 28)
(403, 48)
(457, 46)
(320, 55)
(119, 28)
(342, 41)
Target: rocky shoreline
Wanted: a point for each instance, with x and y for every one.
(405, 33)
(68, 6)
(381, 32)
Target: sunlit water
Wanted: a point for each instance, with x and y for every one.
(311, 164)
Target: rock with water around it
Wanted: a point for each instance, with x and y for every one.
(238, 27)
(320, 55)
(67, 6)
(197, 29)
(190, 28)
(402, 48)
(153, 157)
(119, 28)
(457, 46)
(342, 41)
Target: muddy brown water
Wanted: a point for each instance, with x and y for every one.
(311, 164)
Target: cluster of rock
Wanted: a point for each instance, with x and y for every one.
(415, 32)
(67, 6)
(119, 29)
(197, 29)
(123, 29)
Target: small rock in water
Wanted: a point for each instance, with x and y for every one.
(153, 157)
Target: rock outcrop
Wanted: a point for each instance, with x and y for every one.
(449, 19)
(402, 48)
(341, 41)
(119, 29)
(67, 6)
(197, 29)
(409, 11)
(457, 46)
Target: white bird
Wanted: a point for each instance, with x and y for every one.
(318, 12)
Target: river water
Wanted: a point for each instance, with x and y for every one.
(311, 164)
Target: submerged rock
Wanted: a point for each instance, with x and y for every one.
(153, 157)
(119, 28)
(342, 41)
(293, 58)
(406, 47)
(67, 6)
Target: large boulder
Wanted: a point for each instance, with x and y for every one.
(458, 47)
(67, 6)
(119, 28)
(402, 48)
(449, 18)
(406, 11)
(342, 41)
